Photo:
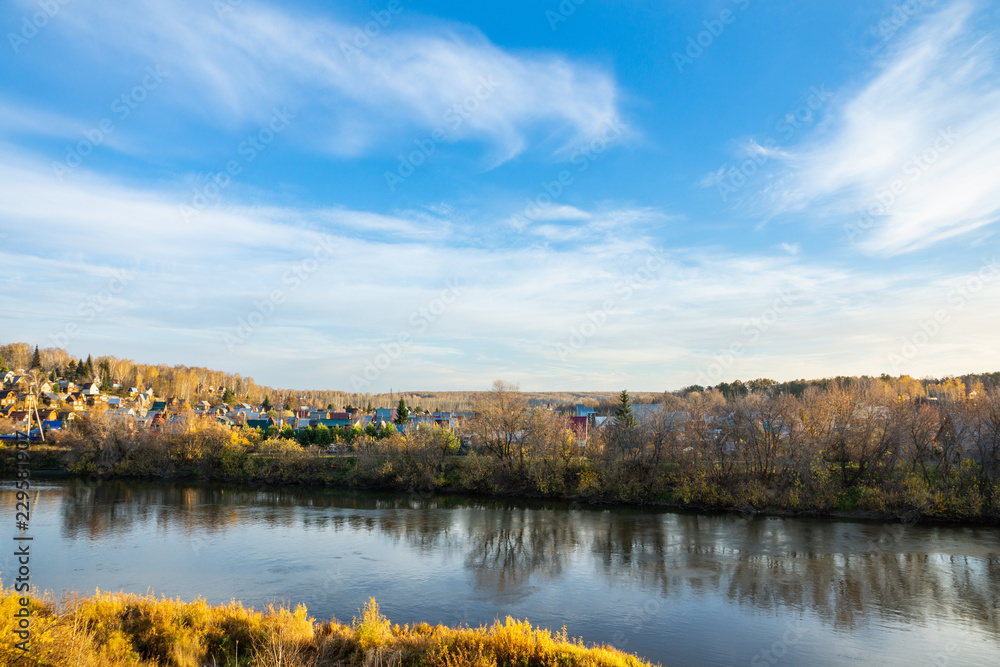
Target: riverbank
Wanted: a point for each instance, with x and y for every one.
(112, 629)
(902, 496)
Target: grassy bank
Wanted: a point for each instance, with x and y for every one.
(108, 630)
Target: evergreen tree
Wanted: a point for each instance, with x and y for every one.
(36, 359)
(402, 412)
(88, 372)
(105, 375)
(227, 397)
(624, 415)
(71, 370)
(3, 365)
(266, 404)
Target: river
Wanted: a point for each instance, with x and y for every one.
(675, 588)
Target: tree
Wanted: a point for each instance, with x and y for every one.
(3, 365)
(266, 404)
(624, 415)
(36, 359)
(105, 375)
(500, 420)
(228, 397)
(402, 413)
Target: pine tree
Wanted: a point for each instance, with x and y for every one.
(402, 412)
(624, 415)
(105, 375)
(266, 404)
(36, 359)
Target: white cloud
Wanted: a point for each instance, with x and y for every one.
(925, 126)
(234, 67)
(674, 309)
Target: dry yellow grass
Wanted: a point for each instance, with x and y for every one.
(117, 629)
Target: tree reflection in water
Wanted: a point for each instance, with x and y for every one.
(846, 573)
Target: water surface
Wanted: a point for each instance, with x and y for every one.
(676, 588)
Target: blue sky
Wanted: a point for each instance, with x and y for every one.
(431, 195)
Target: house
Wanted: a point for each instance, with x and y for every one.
(7, 378)
(204, 406)
(76, 402)
(584, 411)
(90, 389)
(335, 419)
(133, 391)
(28, 400)
(114, 402)
(123, 414)
(17, 381)
(8, 397)
(45, 387)
(261, 424)
(19, 417)
(66, 416)
(387, 415)
(580, 425)
(158, 406)
(445, 419)
(52, 397)
(67, 386)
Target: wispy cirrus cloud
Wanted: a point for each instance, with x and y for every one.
(913, 157)
(230, 69)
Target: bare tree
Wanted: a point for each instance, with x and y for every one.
(500, 421)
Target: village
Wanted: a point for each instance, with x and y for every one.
(31, 407)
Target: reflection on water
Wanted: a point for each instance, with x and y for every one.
(497, 556)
